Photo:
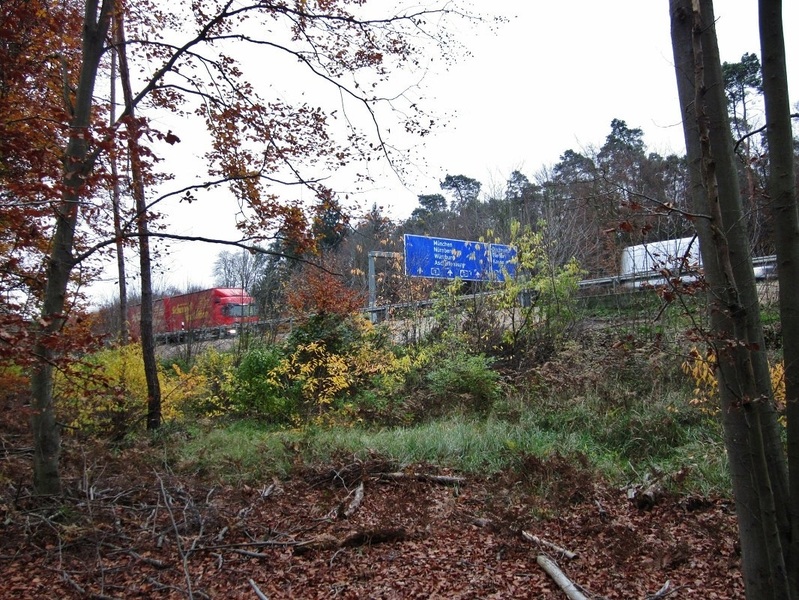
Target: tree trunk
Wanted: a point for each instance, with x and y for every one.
(748, 416)
(137, 175)
(782, 194)
(740, 281)
(78, 162)
(116, 205)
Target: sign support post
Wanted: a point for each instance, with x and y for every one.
(372, 278)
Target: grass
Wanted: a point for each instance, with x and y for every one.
(621, 446)
(236, 452)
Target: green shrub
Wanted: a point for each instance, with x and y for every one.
(338, 333)
(255, 390)
(465, 380)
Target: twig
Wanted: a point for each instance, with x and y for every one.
(361, 538)
(250, 553)
(153, 562)
(441, 479)
(73, 583)
(603, 514)
(183, 555)
(666, 590)
(163, 586)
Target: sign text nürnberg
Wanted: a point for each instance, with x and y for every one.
(443, 258)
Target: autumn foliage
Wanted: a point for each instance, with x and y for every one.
(34, 105)
(316, 291)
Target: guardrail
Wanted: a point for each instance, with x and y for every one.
(765, 268)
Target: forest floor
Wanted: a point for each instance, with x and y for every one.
(128, 526)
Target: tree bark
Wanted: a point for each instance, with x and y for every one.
(78, 162)
(782, 194)
(749, 420)
(137, 176)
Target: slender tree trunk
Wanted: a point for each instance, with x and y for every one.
(78, 163)
(137, 174)
(782, 193)
(748, 415)
(741, 279)
(116, 204)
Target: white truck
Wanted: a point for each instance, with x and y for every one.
(645, 263)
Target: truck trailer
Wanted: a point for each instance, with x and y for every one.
(213, 313)
(647, 263)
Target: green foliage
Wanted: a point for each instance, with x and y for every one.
(448, 311)
(464, 380)
(382, 378)
(628, 403)
(530, 314)
(338, 333)
(685, 451)
(218, 370)
(356, 377)
(316, 377)
(543, 293)
(332, 369)
(615, 405)
(255, 390)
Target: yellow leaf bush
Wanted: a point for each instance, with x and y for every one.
(106, 393)
(701, 368)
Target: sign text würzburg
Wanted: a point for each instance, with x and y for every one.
(443, 258)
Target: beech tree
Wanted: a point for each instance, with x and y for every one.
(183, 57)
(765, 504)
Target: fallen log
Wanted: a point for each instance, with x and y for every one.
(440, 479)
(552, 569)
(360, 538)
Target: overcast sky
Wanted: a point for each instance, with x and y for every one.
(550, 80)
(558, 74)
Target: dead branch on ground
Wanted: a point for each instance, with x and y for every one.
(440, 479)
(559, 549)
(552, 569)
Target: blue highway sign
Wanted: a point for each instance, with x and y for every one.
(443, 258)
(503, 261)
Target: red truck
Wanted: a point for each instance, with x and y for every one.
(217, 312)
